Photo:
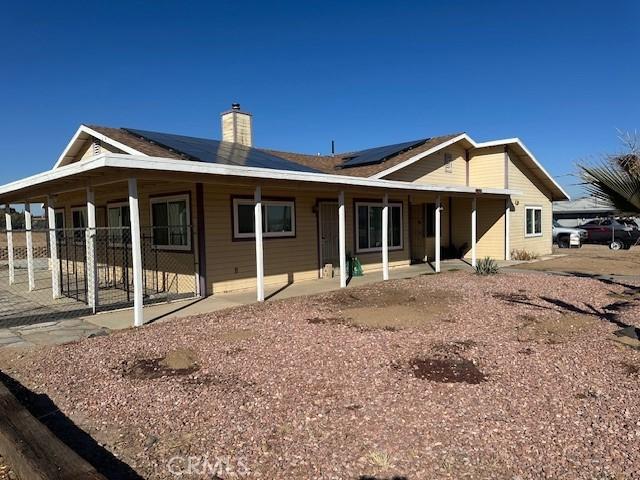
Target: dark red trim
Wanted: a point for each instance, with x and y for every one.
(267, 198)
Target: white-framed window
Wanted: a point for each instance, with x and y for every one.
(533, 221)
(119, 223)
(170, 220)
(278, 218)
(79, 223)
(369, 223)
(448, 162)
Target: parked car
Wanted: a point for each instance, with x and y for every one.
(612, 232)
(567, 237)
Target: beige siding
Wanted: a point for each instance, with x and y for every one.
(533, 194)
(231, 263)
(487, 168)
(431, 169)
(490, 227)
(87, 150)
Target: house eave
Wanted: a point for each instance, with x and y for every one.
(144, 163)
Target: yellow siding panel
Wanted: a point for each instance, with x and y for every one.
(533, 194)
(431, 169)
(486, 168)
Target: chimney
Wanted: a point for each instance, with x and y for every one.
(236, 126)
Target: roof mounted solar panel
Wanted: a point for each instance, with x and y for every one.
(214, 151)
(379, 154)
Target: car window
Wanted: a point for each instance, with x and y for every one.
(606, 222)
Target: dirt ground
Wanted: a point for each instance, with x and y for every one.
(591, 259)
(441, 376)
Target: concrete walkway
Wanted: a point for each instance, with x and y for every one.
(65, 331)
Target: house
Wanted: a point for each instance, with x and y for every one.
(133, 197)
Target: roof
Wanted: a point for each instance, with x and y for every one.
(378, 162)
(335, 164)
(582, 205)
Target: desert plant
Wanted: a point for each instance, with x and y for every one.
(486, 266)
(616, 178)
(381, 460)
(523, 255)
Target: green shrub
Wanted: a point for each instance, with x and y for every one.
(523, 255)
(486, 266)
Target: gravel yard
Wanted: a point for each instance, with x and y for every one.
(591, 260)
(441, 376)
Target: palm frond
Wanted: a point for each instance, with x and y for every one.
(615, 183)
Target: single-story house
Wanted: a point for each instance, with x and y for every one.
(228, 215)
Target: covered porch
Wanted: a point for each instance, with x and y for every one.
(207, 238)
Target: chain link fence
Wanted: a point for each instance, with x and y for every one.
(93, 268)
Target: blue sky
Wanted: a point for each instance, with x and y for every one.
(562, 76)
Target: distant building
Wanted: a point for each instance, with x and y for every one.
(572, 213)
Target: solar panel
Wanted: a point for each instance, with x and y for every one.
(215, 151)
(379, 154)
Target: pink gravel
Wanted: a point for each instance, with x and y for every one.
(325, 400)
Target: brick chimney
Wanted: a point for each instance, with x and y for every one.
(236, 126)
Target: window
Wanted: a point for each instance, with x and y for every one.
(430, 220)
(170, 221)
(278, 218)
(369, 222)
(533, 221)
(119, 223)
(79, 223)
(448, 163)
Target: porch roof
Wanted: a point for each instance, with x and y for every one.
(110, 168)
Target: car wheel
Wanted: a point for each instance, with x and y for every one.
(563, 242)
(616, 245)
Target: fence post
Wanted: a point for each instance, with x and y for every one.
(12, 272)
(53, 250)
(29, 236)
(136, 252)
(92, 272)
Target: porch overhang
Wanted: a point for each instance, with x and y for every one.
(111, 168)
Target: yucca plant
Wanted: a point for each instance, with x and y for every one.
(486, 266)
(616, 179)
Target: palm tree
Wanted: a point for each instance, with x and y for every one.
(616, 178)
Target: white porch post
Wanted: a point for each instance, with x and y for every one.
(136, 253)
(92, 271)
(474, 203)
(341, 236)
(259, 252)
(12, 271)
(438, 207)
(53, 250)
(507, 231)
(29, 237)
(385, 237)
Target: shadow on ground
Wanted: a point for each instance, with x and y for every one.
(611, 312)
(43, 408)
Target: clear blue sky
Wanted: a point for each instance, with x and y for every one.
(561, 75)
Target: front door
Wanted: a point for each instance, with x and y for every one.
(329, 245)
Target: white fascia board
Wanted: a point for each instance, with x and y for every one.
(84, 129)
(54, 174)
(517, 141)
(186, 166)
(421, 155)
